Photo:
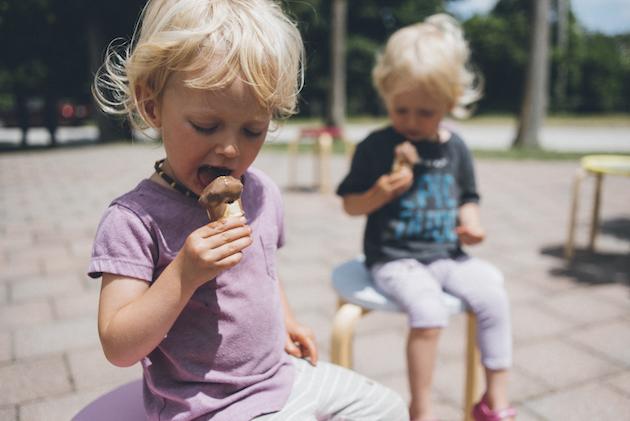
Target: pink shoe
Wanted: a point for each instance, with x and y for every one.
(482, 412)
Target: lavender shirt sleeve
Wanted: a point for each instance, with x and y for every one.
(123, 246)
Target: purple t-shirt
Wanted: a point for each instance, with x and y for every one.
(224, 357)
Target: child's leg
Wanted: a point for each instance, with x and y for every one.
(412, 286)
(481, 286)
(330, 392)
(421, 357)
(496, 388)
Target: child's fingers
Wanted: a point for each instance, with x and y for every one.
(310, 350)
(228, 236)
(220, 226)
(228, 249)
(292, 348)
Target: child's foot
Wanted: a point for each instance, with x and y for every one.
(482, 412)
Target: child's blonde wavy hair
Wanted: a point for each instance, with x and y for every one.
(251, 39)
(433, 55)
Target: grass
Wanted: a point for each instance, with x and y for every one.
(532, 154)
(618, 120)
(516, 154)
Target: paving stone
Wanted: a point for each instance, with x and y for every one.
(18, 271)
(15, 316)
(89, 367)
(78, 305)
(452, 342)
(561, 365)
(43, 287)
(572, 304)
(28, 380)
(447, 411)
(523, 292)
(8, 413)
(60, 336)
(6, 347)
(380, 354)
(620, 382)
(522, 386)
(524, 414)
(310, 296)
(382, 321)
(531, 322)
(448, 380)
(617, 293)
(585, 403)
(610, 339)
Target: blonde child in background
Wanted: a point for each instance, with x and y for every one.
(199, 304)
(423, 210)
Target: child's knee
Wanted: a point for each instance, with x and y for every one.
(428, 313)
(493, 305)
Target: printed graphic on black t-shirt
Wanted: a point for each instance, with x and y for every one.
(421, 223)
(428, 212)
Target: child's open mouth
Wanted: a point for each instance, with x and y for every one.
(207, 173)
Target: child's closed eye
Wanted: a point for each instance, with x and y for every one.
(252, 133)
(204, 129)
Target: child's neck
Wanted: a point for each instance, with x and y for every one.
(441, 136)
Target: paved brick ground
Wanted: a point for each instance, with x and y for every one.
(571, 322)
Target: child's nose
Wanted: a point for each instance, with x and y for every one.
(228, 148)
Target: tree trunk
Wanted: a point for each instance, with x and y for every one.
(534, 105)
(336, 113)
(560, 88)
(22, 115)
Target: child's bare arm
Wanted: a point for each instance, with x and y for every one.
(300, 339)
(134, 318)
(470, 230)
(386, 189)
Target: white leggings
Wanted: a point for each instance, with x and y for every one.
(417, 288)
(330, 392)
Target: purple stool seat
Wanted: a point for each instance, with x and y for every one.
(124, 403)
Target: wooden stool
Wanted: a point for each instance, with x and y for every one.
(358, 296)
(598, 166)
(323, 141)
(125, 403)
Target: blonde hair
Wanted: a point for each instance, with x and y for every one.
(251, 39)
(433, 55)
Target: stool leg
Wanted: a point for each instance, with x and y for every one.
(473, 367)
(599, 178)
(342, 333)
(293, 150)
(324, 142)
(569, 245)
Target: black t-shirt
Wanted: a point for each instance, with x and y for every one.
(421, 223)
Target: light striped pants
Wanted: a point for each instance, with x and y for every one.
(330, 392)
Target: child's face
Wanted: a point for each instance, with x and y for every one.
(209, 133)
(414, 114)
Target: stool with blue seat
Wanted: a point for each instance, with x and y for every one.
(358, 296)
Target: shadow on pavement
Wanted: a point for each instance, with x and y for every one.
(592, 267)
(618, 227)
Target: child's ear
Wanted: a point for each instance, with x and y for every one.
(149, 106)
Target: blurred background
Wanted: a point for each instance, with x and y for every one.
(51, 50)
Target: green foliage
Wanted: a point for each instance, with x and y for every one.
(598, 66)
(45, 51)
(368, 26)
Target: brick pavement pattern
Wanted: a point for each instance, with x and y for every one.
(571, 322)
